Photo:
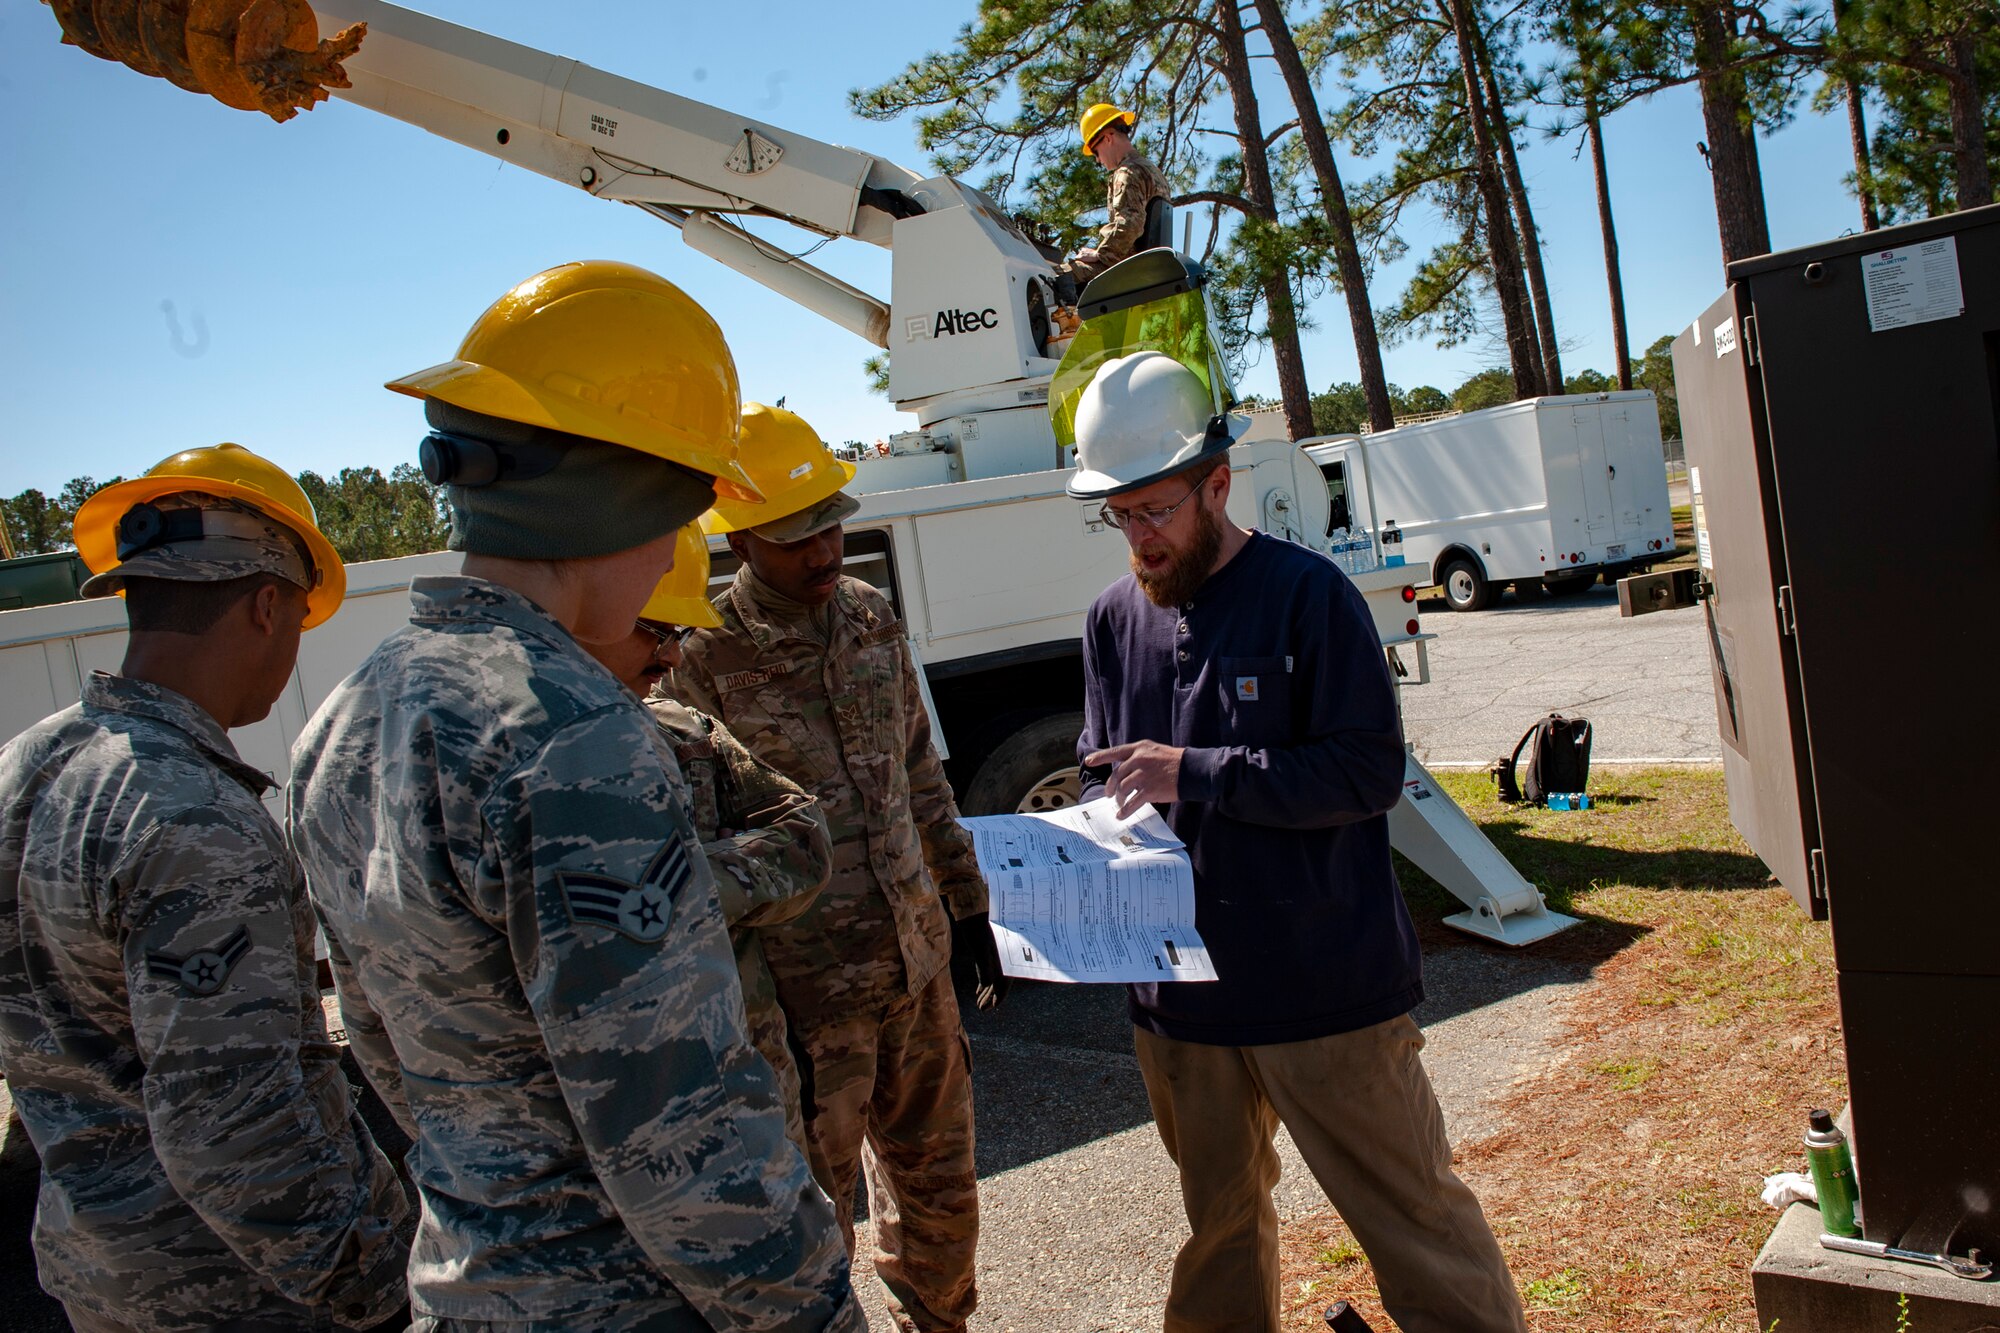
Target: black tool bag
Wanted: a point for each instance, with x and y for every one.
(1558, 760)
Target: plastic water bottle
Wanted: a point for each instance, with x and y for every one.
(1833, 1175)
(1336, 546)
(1364, 550)
(1392, 544)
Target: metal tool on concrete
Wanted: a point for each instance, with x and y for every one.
(1973, 1267)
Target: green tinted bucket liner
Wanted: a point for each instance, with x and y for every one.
(1176, 325)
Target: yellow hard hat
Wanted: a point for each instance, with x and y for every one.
(1097, 117)
(681, 598)
(607, 351)
(787, 461)
(233, 473)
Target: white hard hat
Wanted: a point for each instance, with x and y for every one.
(1144, 417)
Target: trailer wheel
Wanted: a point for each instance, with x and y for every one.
(1033, 769)
(1465, 588)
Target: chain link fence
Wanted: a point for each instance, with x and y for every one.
(1675, 453)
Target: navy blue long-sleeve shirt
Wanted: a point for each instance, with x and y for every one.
(1273, 681)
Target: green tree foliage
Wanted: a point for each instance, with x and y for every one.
(1489, 388)
(1655, 371)
(1589, 381)
(368, 516)
(1915, 166)
(37, 523)
(1343, 408)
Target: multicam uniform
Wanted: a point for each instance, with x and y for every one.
(1134, 185)
(534, 971)
(160, 1025)
(768, 868)
(829, 696)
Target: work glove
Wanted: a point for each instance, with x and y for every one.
(972, 944)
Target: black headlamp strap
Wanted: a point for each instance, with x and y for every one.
(467, 460)
(146, 525)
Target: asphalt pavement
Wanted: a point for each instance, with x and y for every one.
(1643, 682)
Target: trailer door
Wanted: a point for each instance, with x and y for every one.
(1625, 461)
(1594, 470)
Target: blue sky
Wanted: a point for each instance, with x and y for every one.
(175, 273)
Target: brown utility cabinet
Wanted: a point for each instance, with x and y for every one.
(1849, 472)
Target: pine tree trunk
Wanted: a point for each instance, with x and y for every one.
(1968, 127)
(1732, 139)
(1333, 198)
(1612, 276)
(1857, 137)
(1857, 133)
(1292, 389)
(1524, 220)
(1508, 282)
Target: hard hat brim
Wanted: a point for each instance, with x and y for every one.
(97, 532)
(479, 388)
(729, 516)
(693, 611)
(1091, 484)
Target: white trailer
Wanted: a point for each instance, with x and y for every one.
(1543, 493)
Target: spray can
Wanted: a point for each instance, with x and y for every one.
(1833, 1175)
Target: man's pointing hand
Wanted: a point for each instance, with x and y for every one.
(1141, 771)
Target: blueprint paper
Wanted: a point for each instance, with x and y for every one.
(1080, 895)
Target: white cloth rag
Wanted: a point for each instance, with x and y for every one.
(1789, 1187)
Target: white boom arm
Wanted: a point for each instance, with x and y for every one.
(623, 140)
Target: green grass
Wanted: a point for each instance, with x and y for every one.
(1557, 1291)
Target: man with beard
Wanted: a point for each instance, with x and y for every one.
(1237, 681)
(808, 668)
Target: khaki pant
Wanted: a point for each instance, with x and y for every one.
(1360, 1108)
(894, 1091)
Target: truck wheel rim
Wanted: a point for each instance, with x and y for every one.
(1059, 789)
(1460, 586)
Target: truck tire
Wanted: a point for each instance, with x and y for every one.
(1465, 587)
(1033, 769)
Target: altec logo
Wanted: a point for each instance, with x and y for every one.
(949, 322)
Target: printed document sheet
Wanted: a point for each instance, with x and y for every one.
(1080, 895)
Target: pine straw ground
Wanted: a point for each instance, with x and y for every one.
(1625, 1188)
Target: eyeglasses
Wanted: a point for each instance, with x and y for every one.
(664, 635)
(1152, 518)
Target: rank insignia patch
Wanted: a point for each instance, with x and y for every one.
(639, 911)
(204, 971)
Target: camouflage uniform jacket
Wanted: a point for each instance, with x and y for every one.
(534, 971)
(161, 1030)
(768, 869)
(829, 697)
(1133, 186)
